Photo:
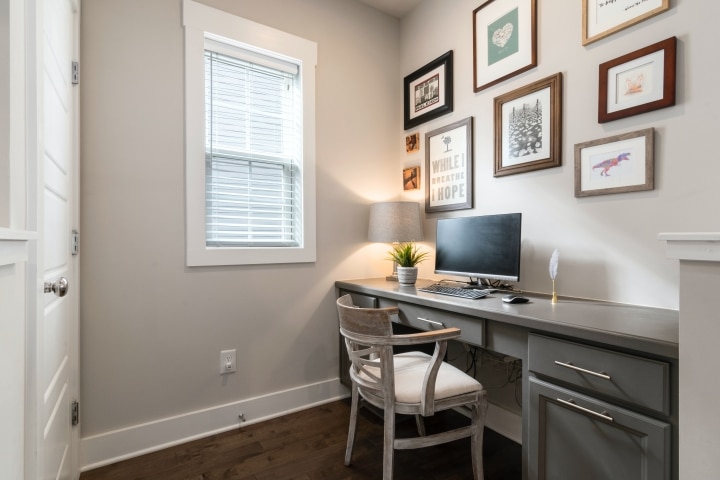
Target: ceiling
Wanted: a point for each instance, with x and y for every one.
(396, 8)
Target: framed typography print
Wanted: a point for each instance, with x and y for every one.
(617, 164)
(639, 82)
(504, 41)
(604, 17)
(448, 167)
(528, 127)
(428, 91)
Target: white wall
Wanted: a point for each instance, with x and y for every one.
(608, 244)
(152, 329)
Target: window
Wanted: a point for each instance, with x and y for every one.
(249, 141)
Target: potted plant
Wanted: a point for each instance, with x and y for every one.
(407, 256)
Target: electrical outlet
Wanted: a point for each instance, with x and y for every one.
(227, 361)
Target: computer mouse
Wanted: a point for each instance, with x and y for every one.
(515, 299)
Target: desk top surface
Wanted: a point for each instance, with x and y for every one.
(646, 329)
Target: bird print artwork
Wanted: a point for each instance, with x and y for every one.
(606, 165)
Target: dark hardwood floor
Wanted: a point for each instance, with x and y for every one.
(310, 445)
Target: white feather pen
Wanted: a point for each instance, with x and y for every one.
(554, 263)
(554, 260)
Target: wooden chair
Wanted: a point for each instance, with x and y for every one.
(412, 383)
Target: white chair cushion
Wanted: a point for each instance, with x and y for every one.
(410, 368)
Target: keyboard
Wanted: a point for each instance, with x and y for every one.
(455, 291)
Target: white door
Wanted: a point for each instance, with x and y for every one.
(56, 333)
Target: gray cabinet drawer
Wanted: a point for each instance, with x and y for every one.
(578, 437)
(637, 380)
(361, 300)
(423, 318)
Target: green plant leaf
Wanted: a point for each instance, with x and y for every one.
(407, 255)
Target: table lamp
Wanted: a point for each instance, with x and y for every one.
(395, 222)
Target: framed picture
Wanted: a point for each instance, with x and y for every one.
(618, 164)
(448, 167)
(504, 40)
(639, 82)
(412, 143)
(411, 178)
(528, 127)
(429, 91)
(602, 17)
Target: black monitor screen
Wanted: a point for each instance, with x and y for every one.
(484, 247)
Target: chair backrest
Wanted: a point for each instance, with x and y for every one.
(363, 321)
(367, 333)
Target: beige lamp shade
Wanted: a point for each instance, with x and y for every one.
(395, 222)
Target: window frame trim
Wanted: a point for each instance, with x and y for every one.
(199, 19)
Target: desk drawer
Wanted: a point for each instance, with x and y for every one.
(423, 318)
(640, 381)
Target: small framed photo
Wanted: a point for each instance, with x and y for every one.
(504, 41)
(528, 127)
(412, 143)
(448, 167)
(411, 178)
(618, 164)
(602, 18)
(428, 92)
(638, 82)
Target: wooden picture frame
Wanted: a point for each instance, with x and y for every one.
(528, 127)
(504, 40)
(617, 164)
(638, 82)
(601, 18)
(449, 167)
(412, 143)
(428, 91)
(411, 178)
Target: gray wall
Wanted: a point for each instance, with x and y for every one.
(152, 329)
(608, 244)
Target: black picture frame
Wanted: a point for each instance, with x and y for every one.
(436, 79)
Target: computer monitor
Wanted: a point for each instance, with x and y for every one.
(484, 248)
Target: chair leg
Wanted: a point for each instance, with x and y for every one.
(420, 422)
(478, 422)
(353, 425)
(389, 442)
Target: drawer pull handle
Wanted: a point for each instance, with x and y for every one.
(571, 403)
(431, 321)
(578, 369)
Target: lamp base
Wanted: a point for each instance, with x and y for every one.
(393, 277)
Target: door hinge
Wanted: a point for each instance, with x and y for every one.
(75, 242)
(75, 73)
(75, 413)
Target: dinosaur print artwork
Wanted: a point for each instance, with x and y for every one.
(606, 165)
(619, 164)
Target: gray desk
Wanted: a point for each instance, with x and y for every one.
(563, 348)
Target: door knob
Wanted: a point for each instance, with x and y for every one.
(59, 288)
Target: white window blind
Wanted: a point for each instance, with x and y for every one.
(253, 149)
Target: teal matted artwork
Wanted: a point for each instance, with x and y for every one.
(503, 37)
(504, 40)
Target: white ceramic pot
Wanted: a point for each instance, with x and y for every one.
(407, 275)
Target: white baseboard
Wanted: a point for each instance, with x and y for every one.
(114, 446)
(117, 445)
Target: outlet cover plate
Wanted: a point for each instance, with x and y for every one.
(227, 361)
